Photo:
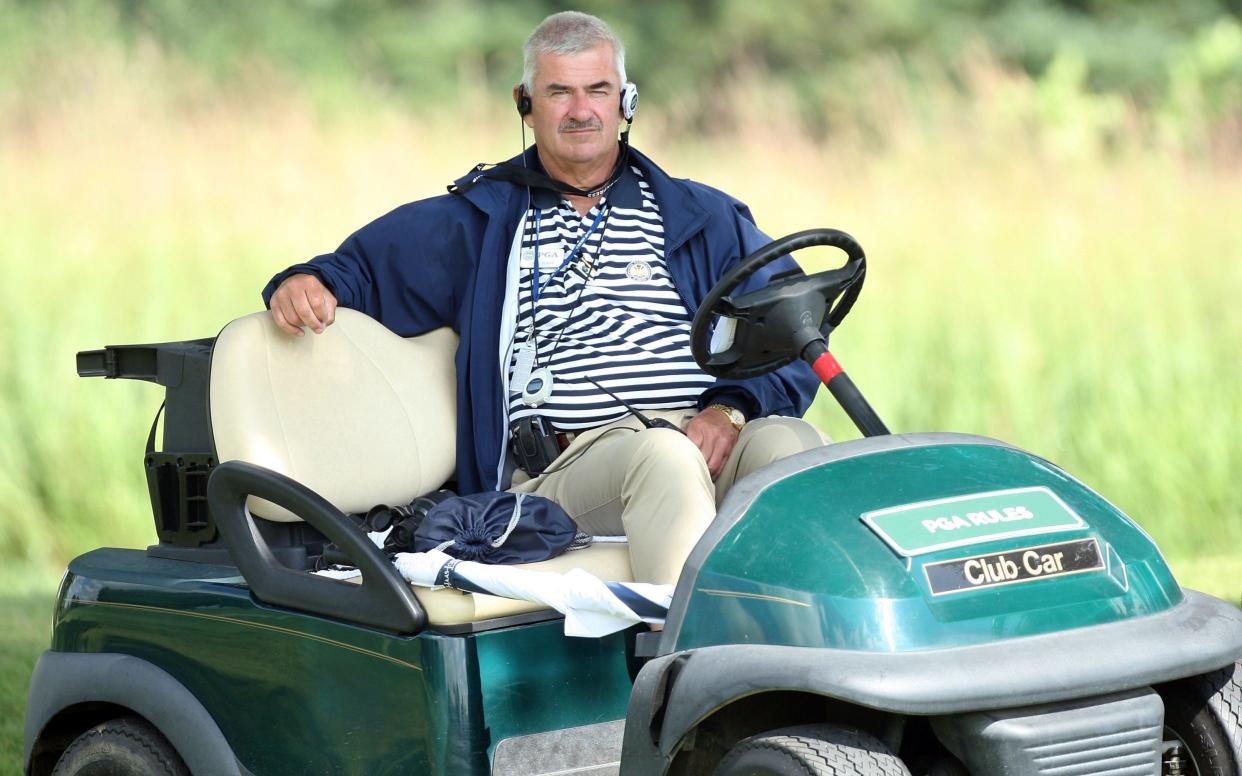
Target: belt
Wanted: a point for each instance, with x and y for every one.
(564, 438)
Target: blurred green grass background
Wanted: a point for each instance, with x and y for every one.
(1055, 247)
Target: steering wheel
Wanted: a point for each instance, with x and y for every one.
(774, 325)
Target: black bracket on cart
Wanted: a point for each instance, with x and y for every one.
(177, 477)
(177, 483)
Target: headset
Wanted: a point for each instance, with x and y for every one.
(628, 105)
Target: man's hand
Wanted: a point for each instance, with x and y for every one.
(301, 300)
(715, 436)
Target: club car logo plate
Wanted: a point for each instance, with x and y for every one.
(1013, 566)
(926, 526)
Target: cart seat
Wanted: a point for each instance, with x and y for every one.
(362, 417)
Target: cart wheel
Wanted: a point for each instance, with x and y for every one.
(1202, 721)
(811, 750)
(129, 746)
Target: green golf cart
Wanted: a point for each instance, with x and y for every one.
(930, 603)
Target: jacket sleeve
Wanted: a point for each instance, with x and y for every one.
(787, 391)
(407, 269)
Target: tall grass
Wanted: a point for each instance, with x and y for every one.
(1032, 278)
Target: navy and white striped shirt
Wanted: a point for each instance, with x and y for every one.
(612, 315)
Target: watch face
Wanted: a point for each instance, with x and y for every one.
(734, 415)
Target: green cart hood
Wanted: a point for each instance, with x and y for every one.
(913, 542)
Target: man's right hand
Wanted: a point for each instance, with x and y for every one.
(301, 300)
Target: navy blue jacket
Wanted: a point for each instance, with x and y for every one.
(443, 262)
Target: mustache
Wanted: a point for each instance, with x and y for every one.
(569, 125)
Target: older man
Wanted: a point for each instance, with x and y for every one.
(572, 274)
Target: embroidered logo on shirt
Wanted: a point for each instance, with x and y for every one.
(638, 271)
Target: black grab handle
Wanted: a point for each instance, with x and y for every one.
(383, 600)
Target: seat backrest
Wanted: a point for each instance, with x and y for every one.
(358, 414)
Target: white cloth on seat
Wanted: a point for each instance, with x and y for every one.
(448, 607)
(590, 607)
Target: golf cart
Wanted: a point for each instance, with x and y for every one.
(929, 603)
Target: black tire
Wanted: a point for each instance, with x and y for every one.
(1204, 713)
(128, 746)
(811, 750)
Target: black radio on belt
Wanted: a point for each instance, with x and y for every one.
(533, 444)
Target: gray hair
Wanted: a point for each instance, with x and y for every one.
(569, 32)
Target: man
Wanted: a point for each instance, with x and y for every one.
(572, 274)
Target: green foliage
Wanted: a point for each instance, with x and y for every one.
(1180, 56)
(27, 597)
(1205, 83)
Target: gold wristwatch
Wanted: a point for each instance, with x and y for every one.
(734, 415)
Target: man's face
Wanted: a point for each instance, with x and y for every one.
(575, 111)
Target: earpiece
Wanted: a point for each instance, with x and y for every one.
(523, 101)
(629, 101)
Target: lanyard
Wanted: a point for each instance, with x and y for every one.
(535, 286)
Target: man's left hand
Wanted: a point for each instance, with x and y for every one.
(715, 437)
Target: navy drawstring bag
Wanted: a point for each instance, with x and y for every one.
(497, 527)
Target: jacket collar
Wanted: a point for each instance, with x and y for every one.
(624, 193)
(683, 216)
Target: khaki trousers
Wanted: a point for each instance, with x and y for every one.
(652, 485)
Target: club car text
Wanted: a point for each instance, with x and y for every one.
(1012, 566)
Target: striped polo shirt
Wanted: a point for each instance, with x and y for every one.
(612, 315)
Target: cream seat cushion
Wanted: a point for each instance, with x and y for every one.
(356, 414)
(362, 417)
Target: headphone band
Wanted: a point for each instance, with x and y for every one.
(628, 103)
